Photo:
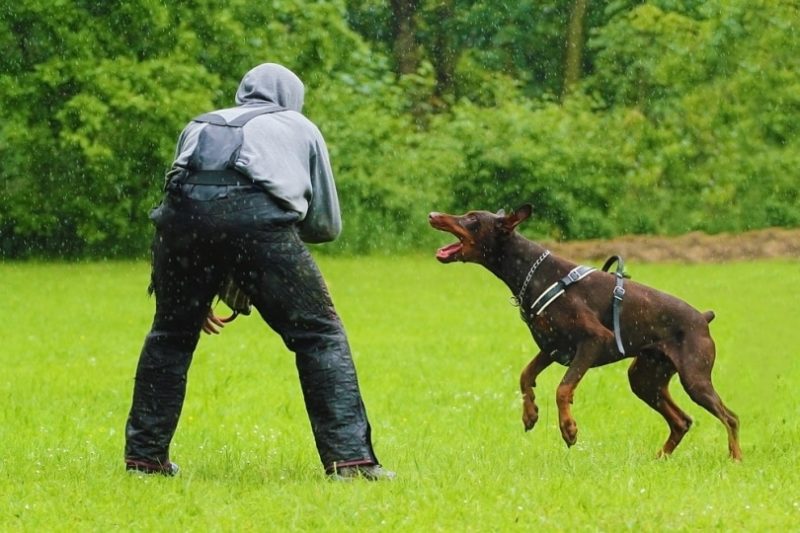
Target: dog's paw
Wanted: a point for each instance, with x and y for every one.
(569, 432)
(530, 415)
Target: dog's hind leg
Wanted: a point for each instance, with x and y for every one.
(694, 371)
(527, 382)
(649, 376)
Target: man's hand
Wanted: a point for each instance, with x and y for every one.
(213, 324)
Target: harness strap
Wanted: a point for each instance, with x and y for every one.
(218, 120)
(619, 292)
(217, 177)
(557, 289)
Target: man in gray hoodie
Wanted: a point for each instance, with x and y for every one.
(248, 186)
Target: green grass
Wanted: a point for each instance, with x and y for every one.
(438, 350)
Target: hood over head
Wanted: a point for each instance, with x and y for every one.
(274, 83)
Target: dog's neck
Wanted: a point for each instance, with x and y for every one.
(514, 261)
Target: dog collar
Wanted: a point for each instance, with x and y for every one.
(516, 301)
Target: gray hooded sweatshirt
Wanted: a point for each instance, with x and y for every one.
(284, 152)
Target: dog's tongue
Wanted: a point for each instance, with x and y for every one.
(446, 253)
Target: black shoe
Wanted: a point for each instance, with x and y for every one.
(368, 472)
(145, 467)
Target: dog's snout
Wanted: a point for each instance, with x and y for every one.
(434, 218)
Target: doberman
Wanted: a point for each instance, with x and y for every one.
(663, 334)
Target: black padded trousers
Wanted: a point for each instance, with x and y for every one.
(243, 233)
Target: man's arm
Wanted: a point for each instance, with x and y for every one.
(323, 222)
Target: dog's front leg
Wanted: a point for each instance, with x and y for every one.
(527, 381)
(587, 353)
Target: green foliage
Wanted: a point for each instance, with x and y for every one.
(80, 179)
(524, 39)
(647, 55)
(517, 153)
(686, 117)
(720, 134)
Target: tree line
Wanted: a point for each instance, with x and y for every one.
(610, 116)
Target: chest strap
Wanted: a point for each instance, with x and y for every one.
(557, 289)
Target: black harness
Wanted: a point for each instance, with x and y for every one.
(550, 294)
(238, 122)
(213, 161)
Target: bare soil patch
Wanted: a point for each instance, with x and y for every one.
(690, 248)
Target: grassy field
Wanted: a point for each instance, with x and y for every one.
(439, 350)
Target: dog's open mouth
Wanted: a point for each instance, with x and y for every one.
(449, 253)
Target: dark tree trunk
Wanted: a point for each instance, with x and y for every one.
(444, 54)
(406, 47)
(574, 49)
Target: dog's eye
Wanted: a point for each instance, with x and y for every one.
(471, 222)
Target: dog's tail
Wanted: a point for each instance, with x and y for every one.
(709, 316)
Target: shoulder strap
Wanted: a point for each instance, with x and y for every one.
(218, 120)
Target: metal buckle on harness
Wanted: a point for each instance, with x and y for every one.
(619, 292)
(574, 275)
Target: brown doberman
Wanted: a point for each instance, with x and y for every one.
(570, 312)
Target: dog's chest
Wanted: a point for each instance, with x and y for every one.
(550, 339)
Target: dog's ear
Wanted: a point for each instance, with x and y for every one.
(501, 213)
(514, 219)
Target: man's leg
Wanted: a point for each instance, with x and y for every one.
(289, 292)
(184, 282)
